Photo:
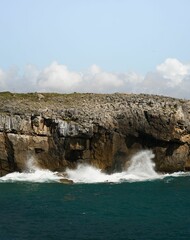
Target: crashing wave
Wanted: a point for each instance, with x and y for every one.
(141, 168)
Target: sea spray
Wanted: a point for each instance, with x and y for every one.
(31, 174)
(88, 174)
(31, 165)
(141, 168)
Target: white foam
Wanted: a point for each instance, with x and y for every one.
(90, 174)
(141, 169)
(32, 174)
(36, 176)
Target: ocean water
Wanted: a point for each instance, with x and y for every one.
(135, 204)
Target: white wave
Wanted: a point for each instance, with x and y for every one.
(141, 169)
(90, 174)
(36, 176)
(31, 165)
(177, 174)
(32, 174)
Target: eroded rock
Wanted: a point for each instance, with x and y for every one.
(60, 131)
(66, 181)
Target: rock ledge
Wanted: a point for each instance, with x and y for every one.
(61, 130)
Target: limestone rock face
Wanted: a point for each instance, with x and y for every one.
(59, 131)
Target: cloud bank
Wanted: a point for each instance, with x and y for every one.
(171, 78)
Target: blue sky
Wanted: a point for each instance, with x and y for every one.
(119, 36)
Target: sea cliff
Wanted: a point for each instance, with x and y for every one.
(105, 130)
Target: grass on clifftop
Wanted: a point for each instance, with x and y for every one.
(36, 100)
(36, 96)
(51, 96)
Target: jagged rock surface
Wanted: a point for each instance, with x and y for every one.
(58, 131)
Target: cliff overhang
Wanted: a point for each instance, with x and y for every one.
(105, 130)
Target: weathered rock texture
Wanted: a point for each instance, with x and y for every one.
(59, 131)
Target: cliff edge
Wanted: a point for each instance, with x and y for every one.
(105, 130)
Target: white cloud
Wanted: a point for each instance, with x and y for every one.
(57, 77)
(134, 77)
(94, 69)
(171, 78)
(97, 80)
(9, 80)
(2, 79)
(173, 70)
(30, 74)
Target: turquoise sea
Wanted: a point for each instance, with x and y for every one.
(155, 210)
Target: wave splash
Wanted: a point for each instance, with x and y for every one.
(141, 168)
(32, 174)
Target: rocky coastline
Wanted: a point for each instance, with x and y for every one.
(105, 130)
